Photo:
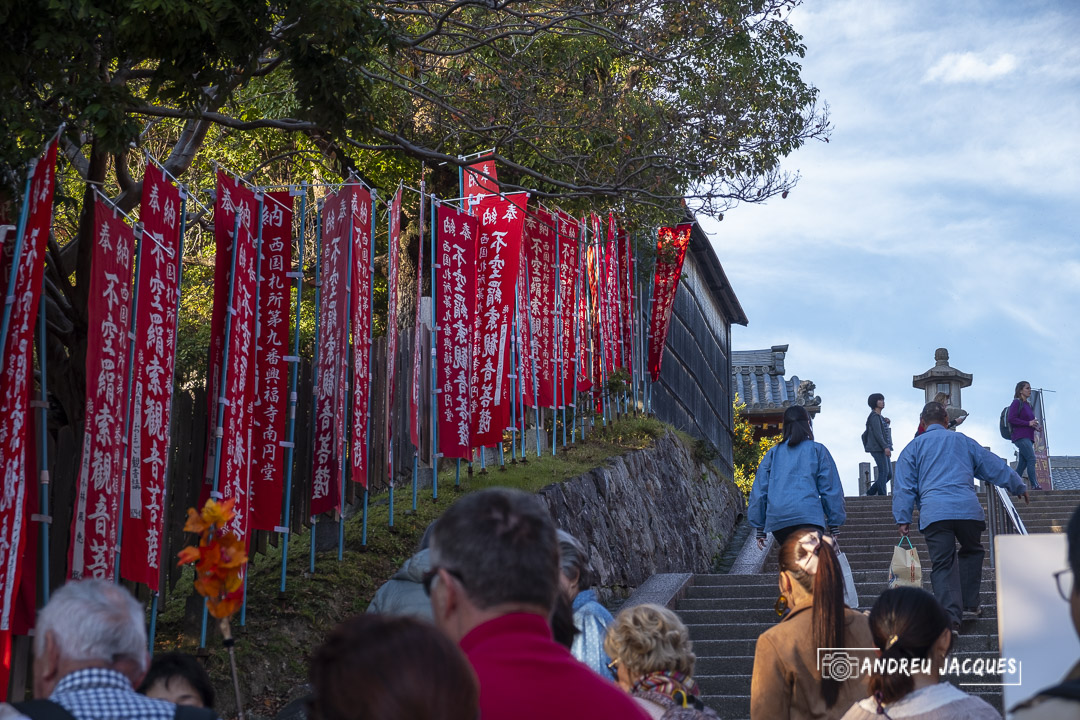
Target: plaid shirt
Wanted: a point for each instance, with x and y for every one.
(103, 694)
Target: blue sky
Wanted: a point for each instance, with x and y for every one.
(944, 212)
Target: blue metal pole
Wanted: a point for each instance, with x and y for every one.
(15, 256)
(315, 356)
(391, 359)
(218, 429)
(434, 359)
(294, 378)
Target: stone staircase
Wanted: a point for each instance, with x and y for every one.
(727, 612)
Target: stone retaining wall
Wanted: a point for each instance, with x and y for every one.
(650, 511)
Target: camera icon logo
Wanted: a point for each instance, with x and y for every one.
(839, 666)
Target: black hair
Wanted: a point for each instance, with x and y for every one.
(563, 629)
(167, 666)
(905, 623)
(796, 426)
(1072, 533)
(934, 412)
(872, 400)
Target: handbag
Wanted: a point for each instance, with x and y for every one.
(905, 568)
(851, 595)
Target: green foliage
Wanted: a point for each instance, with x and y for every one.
(748, 452)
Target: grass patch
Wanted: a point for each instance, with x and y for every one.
(283, 629)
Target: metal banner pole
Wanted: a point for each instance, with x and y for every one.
(315, 355)
(416, 338)
(294, 378)
(391, 360)
(371, 337)
(434, 357)
(346, 436)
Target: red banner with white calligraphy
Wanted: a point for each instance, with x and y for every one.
(479, 179)
(152, 382)
(332, 346)
(526, 346)
(543, 267)
(95, 523)
(392, 323)
(626, 305)
(16, 378)
(457, 233)
(360, 418)
(670, 253)
(502, 220)
(234, 465)
(569, 254)
(271, 368)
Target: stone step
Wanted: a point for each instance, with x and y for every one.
(769, 577)
(723, 605)
(701, 629)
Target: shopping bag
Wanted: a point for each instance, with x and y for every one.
(851, 596)
(905, 568)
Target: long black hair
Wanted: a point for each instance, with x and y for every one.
(797, 426)
(905, 623)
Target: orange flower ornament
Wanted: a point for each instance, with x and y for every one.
(219, 558)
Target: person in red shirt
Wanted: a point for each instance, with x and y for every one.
(493, 582)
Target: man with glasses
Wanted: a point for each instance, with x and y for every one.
(1062, 700)
(493, 582)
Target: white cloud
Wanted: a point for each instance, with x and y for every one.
(970, 68)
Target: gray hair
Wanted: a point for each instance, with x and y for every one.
(94, 620)
(574, 560)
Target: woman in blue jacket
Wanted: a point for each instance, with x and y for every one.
(797, 484)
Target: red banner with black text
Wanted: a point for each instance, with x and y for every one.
(502, 221)
(96, 517)
(271, 368)
(152, 382)
(670, 252)
(16, 378)
(394, 230)
(457, 234)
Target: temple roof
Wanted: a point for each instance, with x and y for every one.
(1065, 472)
(758, 378)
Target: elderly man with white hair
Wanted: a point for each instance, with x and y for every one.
(89, 655)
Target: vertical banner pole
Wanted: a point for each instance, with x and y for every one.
(532, 365)
(43, 455)
(315, 355)
(434, 357)
(391, 359)
(648, 338)
(127, 397)
(515, 373)
(166, 465)
(416, 338)
(555, 377)
(294, 378)
(346, 435)
(218, 427)
(577, 341)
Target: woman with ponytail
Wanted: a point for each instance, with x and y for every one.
(909, 624)
(792, 679)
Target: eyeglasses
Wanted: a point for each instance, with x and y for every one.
(429, 577)
(1065, 581)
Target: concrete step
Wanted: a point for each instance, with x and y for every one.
(701, 629)
(724, 605)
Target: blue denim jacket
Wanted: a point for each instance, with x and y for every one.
(936, 473)
(795, 486)
(591, 619)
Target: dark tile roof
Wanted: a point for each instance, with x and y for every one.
(1065, 472)
(758, 378)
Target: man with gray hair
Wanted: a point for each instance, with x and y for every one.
(90, 654)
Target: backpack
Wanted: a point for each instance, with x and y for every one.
(1003, 424)
(865, 438)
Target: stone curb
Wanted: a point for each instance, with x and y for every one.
(664, 589)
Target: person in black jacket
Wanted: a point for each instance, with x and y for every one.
(878, 442)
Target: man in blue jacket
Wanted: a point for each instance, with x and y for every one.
(936, 472)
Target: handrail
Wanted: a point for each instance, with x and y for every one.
(1001, 516)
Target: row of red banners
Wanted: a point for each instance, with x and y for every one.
(522, 301)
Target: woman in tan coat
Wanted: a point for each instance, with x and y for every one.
(802, 669)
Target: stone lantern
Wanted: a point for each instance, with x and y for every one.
(942, 378)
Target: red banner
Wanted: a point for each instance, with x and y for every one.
(152, 386)
(526, 348)
(332, 347)
(457, 234)
(543, 267)
(271, 369)
(234, 473)
(392, 323)
(95, 523)
(362, 211)
(16, 379)
(502, 220)
(476, 185)
(567, 285)
(418, 330)
(670, 252)
(626, 307)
